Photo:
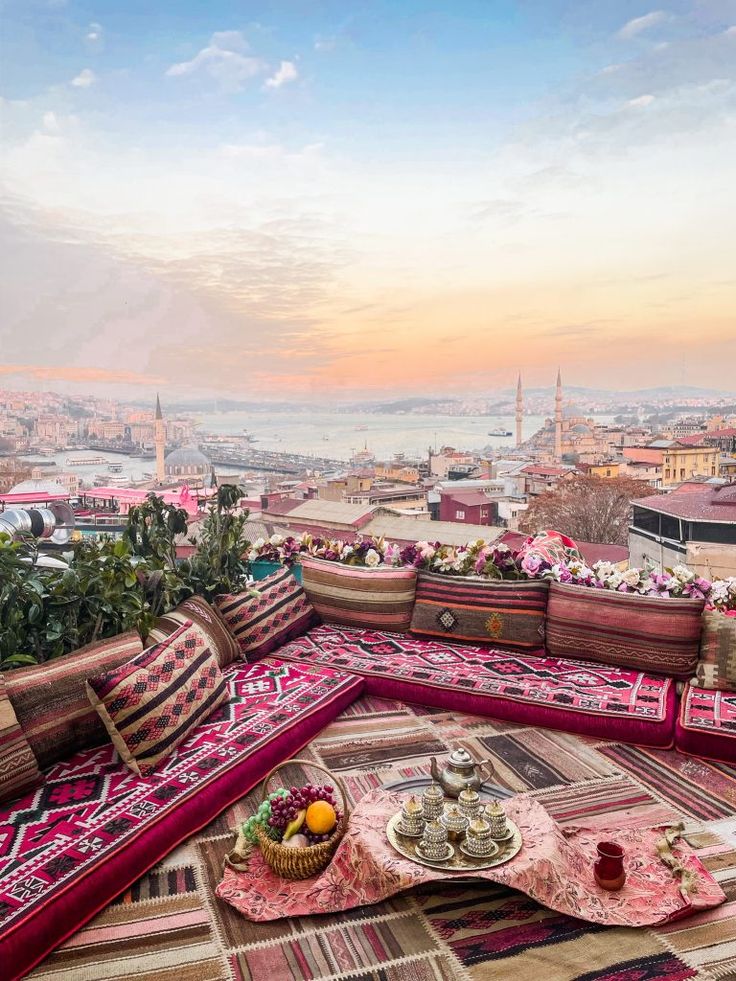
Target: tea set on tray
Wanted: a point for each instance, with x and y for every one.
(458, 834)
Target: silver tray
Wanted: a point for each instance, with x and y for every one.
(459, 862)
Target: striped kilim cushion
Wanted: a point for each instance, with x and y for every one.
(198, 611)
(505, 614)
(153, 702)
(277, 613)
(52, 705)
(19, 771)
(717, 664)
(649, 633)
(377, 599)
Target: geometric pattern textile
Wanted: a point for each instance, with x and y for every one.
(646, 633)
(263, 620)
(594, 699)
(716, 667)
(70, 846)
(153, 702)
(51, 702)
(379, 599)
(170, 926)
(209, 621)
(18, 768)
(707, 723)
(505, 614)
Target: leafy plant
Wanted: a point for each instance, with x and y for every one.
(220, 565)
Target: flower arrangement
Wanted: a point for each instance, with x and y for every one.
(497, 561)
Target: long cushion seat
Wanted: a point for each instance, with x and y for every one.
(706, 725)
(577, 696)
(70, 846)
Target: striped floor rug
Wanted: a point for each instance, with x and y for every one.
(170, 926)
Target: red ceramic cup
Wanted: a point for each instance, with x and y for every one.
(609, 869)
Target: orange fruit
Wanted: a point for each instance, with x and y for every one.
(321, 817)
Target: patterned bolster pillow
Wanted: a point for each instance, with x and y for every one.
(260, 622)
(198, 611)
(19, 771)
(376, 599)
(51, 703)
(647, 633)
(152, 703)
(716, 667)
(506, 614)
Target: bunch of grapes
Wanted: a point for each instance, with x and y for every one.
(262, 817)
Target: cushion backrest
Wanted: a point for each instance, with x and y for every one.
(716, 667)
(649, 633)
(19, 771)
(50, 701)
(153, 702)
(261, 621)
(355, 596)
(505, 614)
(197, 610)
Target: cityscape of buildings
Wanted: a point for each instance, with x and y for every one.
(686, 467)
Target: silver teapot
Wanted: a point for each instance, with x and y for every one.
(460, 773)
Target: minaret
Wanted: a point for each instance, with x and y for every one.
(558, 418)
(160, 440)
(519, 410)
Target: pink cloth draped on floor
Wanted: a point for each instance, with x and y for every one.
(554, 867)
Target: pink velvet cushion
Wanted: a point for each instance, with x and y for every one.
(260, 622)
(647, 633)
(707, 724)
(70, 847)
(585, 697)
(482, 611)
(380, 598)
(152, 703)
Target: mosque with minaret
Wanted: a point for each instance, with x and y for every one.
(562, 438)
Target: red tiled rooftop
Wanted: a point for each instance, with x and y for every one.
(468, 498)
(284, 506)
(546, 471)
(697, 502)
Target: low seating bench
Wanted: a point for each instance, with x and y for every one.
(706, 725)
(94, 827)
(589, 698)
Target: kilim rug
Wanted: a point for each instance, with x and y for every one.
(171, 927)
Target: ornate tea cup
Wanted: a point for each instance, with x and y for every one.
(455, 822)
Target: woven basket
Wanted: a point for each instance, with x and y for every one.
(301, 863)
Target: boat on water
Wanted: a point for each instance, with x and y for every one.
(500, 432)
(361, 429)
(112, 480)
(114, 468)
(88, 461)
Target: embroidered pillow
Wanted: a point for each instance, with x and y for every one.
(198, 611)
(19, 771)
(277, 613)
(51, 703)
(153, 702)
(506, 614)
(376, 599)
(647, 633)
(716, 666)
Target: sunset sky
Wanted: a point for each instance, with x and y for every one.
(327, 198)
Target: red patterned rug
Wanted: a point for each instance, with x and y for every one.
(171, 927)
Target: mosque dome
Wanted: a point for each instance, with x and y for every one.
(580, 428)
(186, 462)
(44, 488)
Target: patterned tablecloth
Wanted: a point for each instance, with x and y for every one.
(554, 867)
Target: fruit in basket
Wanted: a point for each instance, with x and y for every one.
(321, 817)
(296, 841)
(294, 825)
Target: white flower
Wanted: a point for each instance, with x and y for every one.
(604, 569)
(631, 577)
(259, 543)
(682, 573)
(372, 558)
(276, 539)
